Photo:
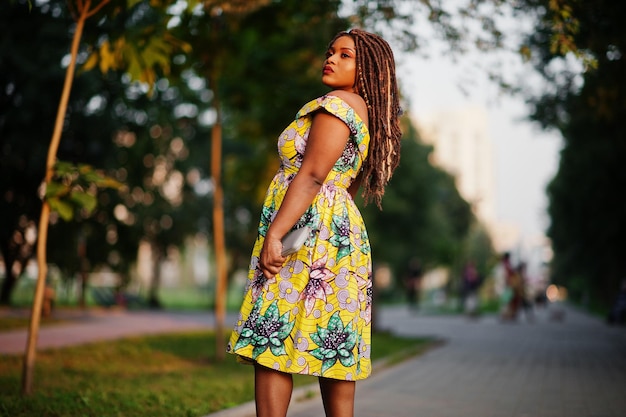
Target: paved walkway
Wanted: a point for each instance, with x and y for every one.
(574, 367)
(102, 324)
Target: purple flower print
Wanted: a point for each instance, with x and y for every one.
(291, 268)
(329, 190)
(288, 292)
(258, 283)
(346, 302)
(317, 287)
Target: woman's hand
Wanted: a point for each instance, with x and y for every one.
(270, 259)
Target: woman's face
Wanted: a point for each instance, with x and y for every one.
(339, 72)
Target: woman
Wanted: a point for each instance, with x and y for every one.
(310, 312)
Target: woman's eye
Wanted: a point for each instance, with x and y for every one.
(345, 55)
(328, 54)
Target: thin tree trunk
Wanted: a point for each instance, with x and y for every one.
(42, 236)
(82, 270)
(10, 278)
(155, 284)
(218, 228)
(33, 332)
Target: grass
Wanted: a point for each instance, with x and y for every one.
(165, 375)
(15, 323)
(191, 298)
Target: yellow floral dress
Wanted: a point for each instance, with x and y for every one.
(314, 317)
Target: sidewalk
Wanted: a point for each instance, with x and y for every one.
(95, 325)
(570, 368)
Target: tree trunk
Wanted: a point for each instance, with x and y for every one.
(33, 332)
(11, 257)
(42, 236)
(82, 271)
(218, 226)
(155, 284)
(10, 279)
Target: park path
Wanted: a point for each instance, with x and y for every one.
(93, 325)
(563, 364)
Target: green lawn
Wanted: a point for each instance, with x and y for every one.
(166, 375)
(14, 323)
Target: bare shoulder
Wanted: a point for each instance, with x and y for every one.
(354, 100)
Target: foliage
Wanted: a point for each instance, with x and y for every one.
(158, 142)
(106, 117)
(26, 120)
(153, 156)
(168, 375)
(589, 109)
(73, 189)
(133, 37)
(478, 247)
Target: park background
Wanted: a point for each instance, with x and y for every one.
(159, 84)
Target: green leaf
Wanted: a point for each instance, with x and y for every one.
(63, 168)
(191, 4)
(56, 189)
(108, 182)
(64, 209)
(84, 200)
(84, 169)
(132, 3)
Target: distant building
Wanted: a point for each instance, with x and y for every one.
(462, 147)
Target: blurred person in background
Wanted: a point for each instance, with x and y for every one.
(413, 283)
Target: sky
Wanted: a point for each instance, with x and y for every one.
(526, 158)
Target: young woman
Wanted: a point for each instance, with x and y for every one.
(310, 312)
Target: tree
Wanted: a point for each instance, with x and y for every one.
(51, 194)
(589, 109)
(254, 113)
(75, 185)
(22, 161)
(97, 107)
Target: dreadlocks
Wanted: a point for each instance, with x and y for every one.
(376, 83)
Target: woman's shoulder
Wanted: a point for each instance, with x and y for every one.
(337, 102)
(353, 100)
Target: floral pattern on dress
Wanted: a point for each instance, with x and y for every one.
(318, 286)
(314, 316)
(266, 331)
(335, 343)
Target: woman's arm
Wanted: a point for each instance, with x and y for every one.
(327, 139)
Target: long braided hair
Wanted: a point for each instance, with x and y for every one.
(376, 83)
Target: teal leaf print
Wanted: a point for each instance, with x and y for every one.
(311, 217)
(348, 159)
(340, 238)
(268, 331)
(247, 332)
(336, 342)
(267, 213)
(364, 246)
